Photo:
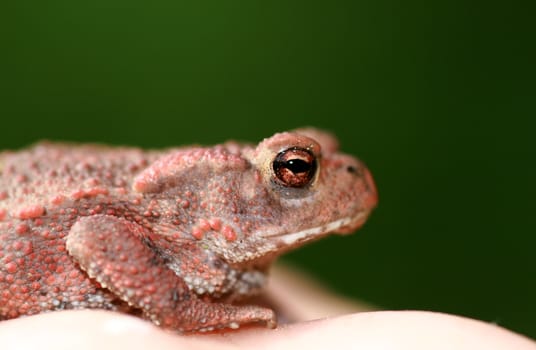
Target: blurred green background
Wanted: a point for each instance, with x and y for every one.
(437, 97)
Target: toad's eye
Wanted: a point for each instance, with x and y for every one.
(295, 167)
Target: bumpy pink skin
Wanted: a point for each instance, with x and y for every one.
(174, 235)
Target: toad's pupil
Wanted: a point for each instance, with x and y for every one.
(298, 166)
(295, 167)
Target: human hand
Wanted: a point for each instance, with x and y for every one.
(298, 298)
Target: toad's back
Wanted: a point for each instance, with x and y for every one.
(43, 190)
(50, 170)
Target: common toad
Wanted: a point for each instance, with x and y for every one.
(175, 236)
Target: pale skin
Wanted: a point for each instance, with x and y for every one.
(343, 328)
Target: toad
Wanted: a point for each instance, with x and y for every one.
(176, 236)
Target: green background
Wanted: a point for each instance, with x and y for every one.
(437, 97)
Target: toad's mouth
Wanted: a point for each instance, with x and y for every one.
(342, 226)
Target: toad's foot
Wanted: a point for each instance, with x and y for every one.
(117, 254)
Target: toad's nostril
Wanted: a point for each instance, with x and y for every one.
(355, 169)
(351, 169)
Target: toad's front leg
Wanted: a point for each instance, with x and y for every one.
(112, 251)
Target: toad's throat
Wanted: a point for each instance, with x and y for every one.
(344, 225)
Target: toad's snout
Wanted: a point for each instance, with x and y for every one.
(370, 199)
(365, 202)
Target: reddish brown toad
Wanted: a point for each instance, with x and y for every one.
(175, 236)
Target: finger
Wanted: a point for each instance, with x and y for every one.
(413, 330)
(90, 329)
(298, 297)
(372, 330)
